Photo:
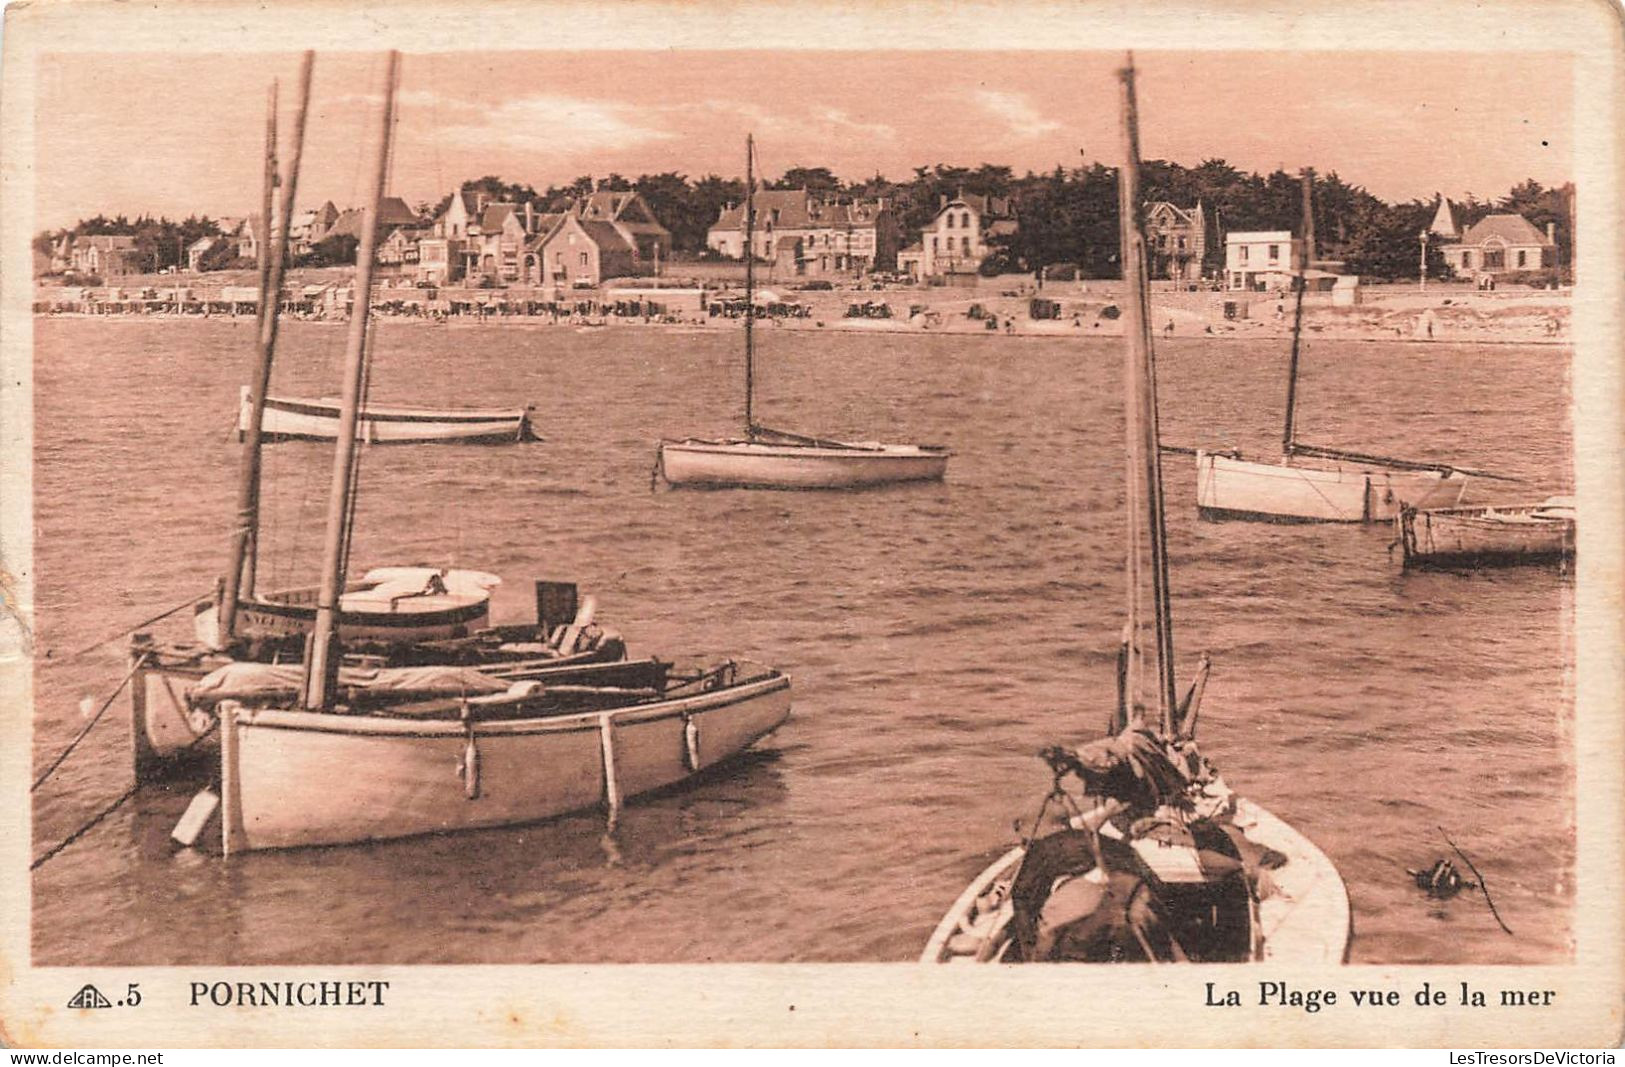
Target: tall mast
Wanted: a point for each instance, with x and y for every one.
(1288, 445)
(240, 575)
(1140, 393)
(750, 282)
(321, 661)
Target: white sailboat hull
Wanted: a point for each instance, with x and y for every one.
(758, 465)
(289, 418)
(290, 778)
(1305, 919)
(1303, 491)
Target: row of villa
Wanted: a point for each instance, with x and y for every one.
(478, 240)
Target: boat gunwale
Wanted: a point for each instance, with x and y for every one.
(1336, 471)
(399, 413)
(746, 448)
(379, 725)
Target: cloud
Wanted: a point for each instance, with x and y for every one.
(1014, 109)
(818, 124)
(561, 124)
(543, 122)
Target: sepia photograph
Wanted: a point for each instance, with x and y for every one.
(669, 485)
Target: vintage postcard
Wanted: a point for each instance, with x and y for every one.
(780, 523)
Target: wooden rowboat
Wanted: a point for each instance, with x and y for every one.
(534, 751)
(1492, 535)
(771, 462)
(1308, 489)
(389, 605)
(289, 419)
(1304, 918)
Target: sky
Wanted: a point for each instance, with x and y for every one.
(180, 134)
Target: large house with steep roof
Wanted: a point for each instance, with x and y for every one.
(804, 234)
(105, 254)
(1501, 243)
(582, 253)
(634, 220)
(960, 236)
(1176, 241)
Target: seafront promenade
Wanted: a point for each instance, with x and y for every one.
(1009, 306)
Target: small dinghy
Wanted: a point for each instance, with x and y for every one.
(1140, 852)
(1494, 535)
(294, 419)
(1302, 917)
(765, 458)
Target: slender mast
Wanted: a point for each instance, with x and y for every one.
(240, 575)
(1140, 385)
(750, 282)
(322, 659)
(1288, 445)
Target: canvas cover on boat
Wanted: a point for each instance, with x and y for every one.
(386, 582)
(262, 682)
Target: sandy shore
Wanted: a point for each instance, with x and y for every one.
(1448, 314)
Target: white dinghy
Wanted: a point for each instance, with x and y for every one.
(766, 458)
(1154, 858)
(295, 419)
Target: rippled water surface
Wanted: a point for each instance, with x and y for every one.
(938, 635)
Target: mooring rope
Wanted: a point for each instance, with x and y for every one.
(1482, 888)
(139, 660)
(91, 824)
(140, 625)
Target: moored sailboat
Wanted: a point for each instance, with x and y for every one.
(766, 458)
(1312, 483)
(1154, 858)
(447, 745)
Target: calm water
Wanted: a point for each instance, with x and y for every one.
(938, 636)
